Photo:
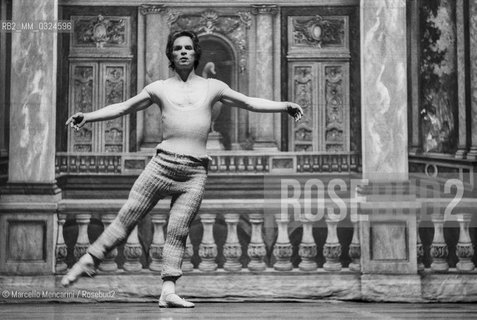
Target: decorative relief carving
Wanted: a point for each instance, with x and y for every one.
(245, 18)
(334, 106)
(132, 252)
(83, 82)
(439, 251)
(172, 16)
(83, 88)
(334, 96)
(303, 134)
(114, 84)
(100, 31)
(303, 95)
(282, 163)
(114, 93)
(438, 97)
(319, 32)
(332, 252)
(232, 251)
(233, 27)
(465, 251)
(209, 21)
(156, 251)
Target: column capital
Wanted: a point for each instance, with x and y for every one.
(258, 9)
(146, 9)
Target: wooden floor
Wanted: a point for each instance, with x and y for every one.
(241, 310)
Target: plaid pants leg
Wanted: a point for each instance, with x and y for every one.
(149, 188)
(184, 208)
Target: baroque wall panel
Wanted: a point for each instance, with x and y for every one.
(438, 70)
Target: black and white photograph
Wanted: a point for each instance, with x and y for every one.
(274, 159)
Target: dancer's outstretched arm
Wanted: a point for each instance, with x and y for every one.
(240, 100)
(134, 104)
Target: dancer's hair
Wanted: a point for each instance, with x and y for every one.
(184, 33)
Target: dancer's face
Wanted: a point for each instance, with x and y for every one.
(183, 53)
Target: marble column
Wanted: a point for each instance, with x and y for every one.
(33, 102)
(473, 77)
(461, 80)
(263, 124)
(384, 90)
(28, 203)
(156, 68)
(388, 222)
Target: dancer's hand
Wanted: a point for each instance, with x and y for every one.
(294, 110)
(76, 121)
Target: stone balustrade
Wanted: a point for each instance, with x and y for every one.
(236, 162)
(246, 248)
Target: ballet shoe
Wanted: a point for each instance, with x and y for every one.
(172, 300)
(84, 266)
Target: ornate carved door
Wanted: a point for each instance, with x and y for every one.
(319, 73)
(94, 85)
(100, 70)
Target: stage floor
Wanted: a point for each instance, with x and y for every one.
(241, 310)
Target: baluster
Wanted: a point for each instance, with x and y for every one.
(232, 166)
(419, 247)
(283, 249)
(306, 165)
(232, 248)
(299, 162)
(109, 264)
(61, 250)
(73, 167)
(344, 163)
(355, 246)
(256, 249)
(110, 167)
(316, 164)
(223, 164)
(241, 164)
(335, 164)
(57, 165)
(157, 245)
(439, 251)
(307, 250)
(326, 163)
(132, 252)
(92, 164)
(101, 164)
(82, 243)
(82, 165)
(465, 251)
(118, 164)
(187, 265)
(208, 248)
(64, 164)
(250, 163)
(332, 248)
(259, 166)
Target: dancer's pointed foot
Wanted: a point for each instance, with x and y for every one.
(85, 265)
(172, 300)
